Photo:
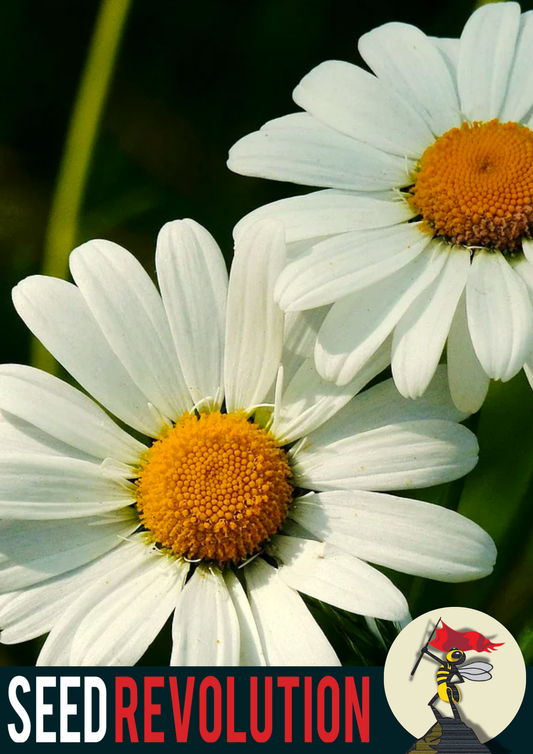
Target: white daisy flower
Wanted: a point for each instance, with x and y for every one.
(105, 535)
(425, 231)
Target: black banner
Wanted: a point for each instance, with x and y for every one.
(136, 706)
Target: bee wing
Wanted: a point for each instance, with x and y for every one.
(478, 666)
(477, 671)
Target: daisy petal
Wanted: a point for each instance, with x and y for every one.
(359, 323)
(409, 62)
(301, 329)
(194, 282)
(383, 405)
(527, 247)
(421, 333)
(499, 315)
(329, 574)
(523, 266)
(325, 213)
(21, 438)
(469, 382)
(399, 533)
(399, 456)
(140, 594)
(300, 149)
(41, 487)
(205, 629)
(449, 49)
(348, 263)
(352, 101)
(64, 413)
(289, 634)
(251, 654)
(528, 370)
(519, 98)
(486, 58)
(254, 326)
(309, 400)
(33, 611)
(38, 550)
(57, 314)
(117, 289)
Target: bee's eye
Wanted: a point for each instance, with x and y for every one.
(456, 655)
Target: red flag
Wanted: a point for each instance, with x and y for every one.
(447, 638)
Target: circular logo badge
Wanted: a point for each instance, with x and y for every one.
(454, 670)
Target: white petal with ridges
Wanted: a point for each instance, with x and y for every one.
(399, 533)
(348, 263)
(486, 58)
(34, 551)
(300, 149)
(205, 628)
(528, 370)
(55, 487)
(359, 323)
(519, 97)
(64, 413)
(382, 405)
(309, 400)
(194, 283)
(408, 61)
(325, 213)
(468, 380)
(114, 621)
(400, 456)
(289, 634)
(22, 438)
(300, 331)
(34, 610)
(421, 333)
(500, 315)
(128, 309)
(353, 102)
(527, 247)
(449, 49)
(57, 314)
(523, 266)
(254, 324)
(329, 574)
(251, 652)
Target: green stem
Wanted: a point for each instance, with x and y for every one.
(62, 231)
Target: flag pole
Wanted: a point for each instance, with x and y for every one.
(425, 647)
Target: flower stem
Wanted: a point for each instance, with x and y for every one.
(62, 231)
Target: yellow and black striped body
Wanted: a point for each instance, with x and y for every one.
(444, 676)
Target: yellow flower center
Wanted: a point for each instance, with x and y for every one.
(214, 487)
(474, 185)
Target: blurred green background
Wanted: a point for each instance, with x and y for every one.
(190, 79)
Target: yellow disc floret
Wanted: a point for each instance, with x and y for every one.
(213, 487)
(474, 185)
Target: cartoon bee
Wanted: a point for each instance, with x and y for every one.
(448, 691)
